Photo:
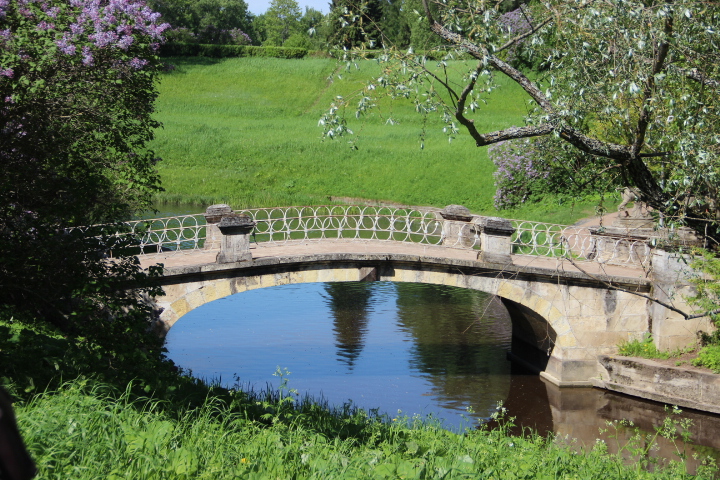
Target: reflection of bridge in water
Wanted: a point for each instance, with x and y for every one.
(572, 294)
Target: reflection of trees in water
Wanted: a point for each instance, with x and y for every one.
(461, 339)
(349, 304)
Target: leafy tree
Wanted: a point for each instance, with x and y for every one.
(314, 26)
(206, 21)
(77, 89)
(421, 36)
(634, 84)
(281, 21)
(394, 25)
(356, 23)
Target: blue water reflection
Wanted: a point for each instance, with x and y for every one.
(421, 349)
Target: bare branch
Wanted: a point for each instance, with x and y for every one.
(460, 107)
(611, 286)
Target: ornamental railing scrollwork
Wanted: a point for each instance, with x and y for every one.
(280, 226)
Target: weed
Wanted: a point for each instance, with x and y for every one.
(646, 348)
(709, 357)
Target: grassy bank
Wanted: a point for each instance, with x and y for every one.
(82, 433)
(83, 418)
(244, 131)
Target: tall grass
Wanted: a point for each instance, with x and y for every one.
(86, 432)
(244, 131)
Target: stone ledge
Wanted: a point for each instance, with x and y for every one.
(475, 267)
(651, 380)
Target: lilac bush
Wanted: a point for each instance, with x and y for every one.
(516, 22)
(531, 169)
(77, 27)
(519, 172)
(77, 88)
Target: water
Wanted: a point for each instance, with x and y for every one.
(173, 210)
(420, 349)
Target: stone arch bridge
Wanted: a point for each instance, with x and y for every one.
(573, 293)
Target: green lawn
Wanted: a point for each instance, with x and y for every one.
(244, 131)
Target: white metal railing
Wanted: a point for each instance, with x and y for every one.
(291, 225)
(182, 233)
(578, 243)
(295, 225)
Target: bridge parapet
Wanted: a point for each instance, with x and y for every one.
(279, 226)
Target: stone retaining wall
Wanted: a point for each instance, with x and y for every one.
(651, 380)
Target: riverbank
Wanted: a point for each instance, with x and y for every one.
(94, 422)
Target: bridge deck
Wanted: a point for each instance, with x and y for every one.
(559, 265)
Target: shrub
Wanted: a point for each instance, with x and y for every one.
(709, 357)
(530, 169)
(644, 348)
(223, 51)
(518, 174)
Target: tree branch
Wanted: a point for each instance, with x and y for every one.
(695, 74)
(522, 37)
(658, 66)
(610, 286)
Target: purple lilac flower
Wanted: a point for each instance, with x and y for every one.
(77, 29)
(45, 26)
(87, 56)
(7, 72)
(138, 63)
(65, 46)
(5, 36)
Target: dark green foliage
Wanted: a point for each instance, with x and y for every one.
(394, 25)
(355, 23)
(421, 37)
(76, 118)
(224, 51)
(205, 21)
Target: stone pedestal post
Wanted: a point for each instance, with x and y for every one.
(235, 230)
(213, 214)
(457, 229)
(495, 239)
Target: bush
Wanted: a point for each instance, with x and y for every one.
(223, 51)
(530, 169)
(644, 348)
(709, 357)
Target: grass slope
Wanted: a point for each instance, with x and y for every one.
(244, 131)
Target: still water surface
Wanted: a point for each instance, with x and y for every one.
(421, 349)
(416, 348)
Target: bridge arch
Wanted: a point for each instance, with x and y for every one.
(541, 305)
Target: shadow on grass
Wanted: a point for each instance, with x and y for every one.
(178, 65)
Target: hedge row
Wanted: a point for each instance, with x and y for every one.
(222, 51)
